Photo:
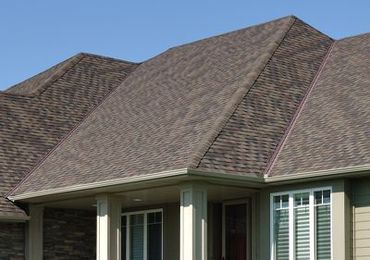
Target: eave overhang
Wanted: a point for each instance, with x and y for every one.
(178, 176)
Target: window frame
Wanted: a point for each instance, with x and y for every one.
(145, 225)
(290, 208)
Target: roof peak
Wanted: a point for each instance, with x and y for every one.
(287, 18)
(37, 84)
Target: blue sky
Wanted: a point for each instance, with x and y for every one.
(40, 33)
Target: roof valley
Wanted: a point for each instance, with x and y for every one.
(287, 75)
(69, 133)
(44, 108)
(297, 114)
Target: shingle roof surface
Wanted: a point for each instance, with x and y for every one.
(37, 113)
(251, 135)
(165, 113)
(333, 128)
(268, 100)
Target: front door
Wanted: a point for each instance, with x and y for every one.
(235, 231)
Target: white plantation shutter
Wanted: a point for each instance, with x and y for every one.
(281, 228)
(305, 224)
(302, 226)
(302, 233)
(323, 225)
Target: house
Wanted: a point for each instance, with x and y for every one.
(254, 144)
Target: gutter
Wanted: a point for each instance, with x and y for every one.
(351, 171)
(100, 184)
(227, 178)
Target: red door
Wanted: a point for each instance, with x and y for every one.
(235, 232)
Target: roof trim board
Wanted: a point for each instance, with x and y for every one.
(208, 176)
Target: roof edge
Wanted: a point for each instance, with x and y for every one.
(349, 171)
(181, 172)
(240, 93)
(100, 184)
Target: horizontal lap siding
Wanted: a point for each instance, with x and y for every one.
(361, 219)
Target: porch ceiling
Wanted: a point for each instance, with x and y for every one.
(156, 196)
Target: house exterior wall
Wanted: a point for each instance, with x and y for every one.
(361, 219)
(171, 228)
(341, 217)
(12, 237)
(69, 234)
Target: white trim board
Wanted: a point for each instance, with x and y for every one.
(226, 178)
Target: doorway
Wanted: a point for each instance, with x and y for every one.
(236, 227)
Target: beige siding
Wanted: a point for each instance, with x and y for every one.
(361, 219)
(341, 217)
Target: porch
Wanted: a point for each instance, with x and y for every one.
(189, 220)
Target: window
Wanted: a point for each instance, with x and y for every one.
(301, 225)
(141, 235)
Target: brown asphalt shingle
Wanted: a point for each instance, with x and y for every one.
(248, 140)
(226, 104)
(162, 116)
(37, 113)
(333, 128)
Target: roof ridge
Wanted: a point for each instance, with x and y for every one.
(289, 17)
(314, 28)
(238, 96)
(66, 136)
(93, 55)
(293, 121)
(58, 73)
(354, 36)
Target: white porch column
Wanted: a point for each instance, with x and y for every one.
(108, 222)
(193, 223)
(34, 238)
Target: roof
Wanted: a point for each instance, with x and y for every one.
(333, 127)
(243, 103)
(37, 113)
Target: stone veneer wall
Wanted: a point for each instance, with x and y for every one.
(69, 234)
(12, 239)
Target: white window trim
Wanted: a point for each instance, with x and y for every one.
(291, 221)
(145, 213)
